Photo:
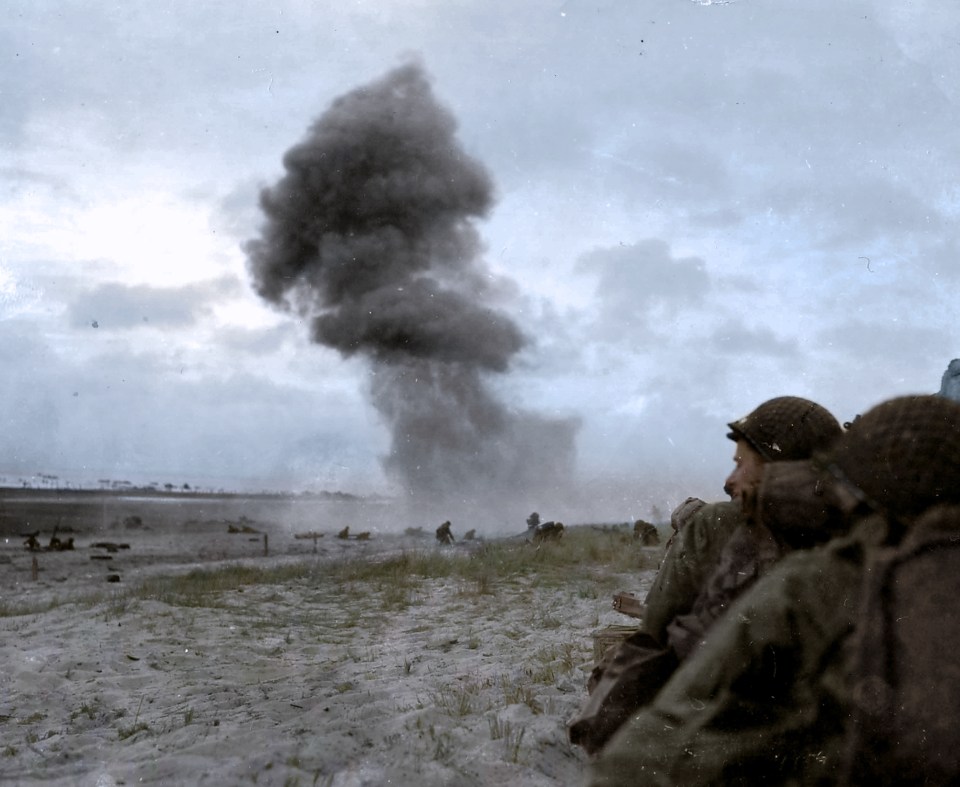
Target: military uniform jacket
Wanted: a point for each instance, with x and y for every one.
(691, 559)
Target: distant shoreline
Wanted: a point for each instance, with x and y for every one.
(66, 494)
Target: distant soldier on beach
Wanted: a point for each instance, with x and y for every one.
(345, 533)
(645, 533)
(548, 531)
(31, 541)
(533, 521)
(444, 534)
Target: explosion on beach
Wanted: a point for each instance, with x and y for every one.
(369, 235)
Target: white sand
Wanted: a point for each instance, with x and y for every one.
(304, 683)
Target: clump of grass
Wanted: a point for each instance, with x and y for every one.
(90, 711)
(519, 693)
(444, 746)
(579, 557)
(11, 610)
(511, 736)
(128, 732)
(549, 664)
(195, 588)
(512, 741)
(460, 700)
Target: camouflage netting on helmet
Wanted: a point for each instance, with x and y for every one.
(904, 454)
(787, 428)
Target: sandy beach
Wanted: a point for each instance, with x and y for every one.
(327, 661)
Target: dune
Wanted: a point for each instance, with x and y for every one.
(315, 661)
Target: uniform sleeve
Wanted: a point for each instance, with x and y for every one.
(688, 562)
(743, 707)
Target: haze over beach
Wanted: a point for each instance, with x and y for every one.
(641, 223)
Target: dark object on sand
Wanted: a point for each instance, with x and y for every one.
(110, 546)
(470, 535)
(629, 604)
(101, 557)
(444, 534)
(345, 533)
(646, 533)
(548, 531)
(31, 541)
(113, 577)
(56, 545)
(231, 528)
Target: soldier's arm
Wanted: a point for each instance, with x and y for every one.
(688, 562)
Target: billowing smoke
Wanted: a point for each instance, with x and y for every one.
(369, 236)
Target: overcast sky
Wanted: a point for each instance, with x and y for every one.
(696, 206)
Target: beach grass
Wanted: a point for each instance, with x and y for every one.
(583, 554)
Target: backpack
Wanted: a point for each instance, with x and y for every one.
(906, 682)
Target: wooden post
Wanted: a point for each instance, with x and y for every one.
(266, 550)
(35, 569)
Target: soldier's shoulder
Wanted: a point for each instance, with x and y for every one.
(725, 513)
(711, 526)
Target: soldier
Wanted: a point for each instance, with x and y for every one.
(715, 558)
(444, 535)
(790, 687)
(645, 533)
(782, 429)
(548, 531)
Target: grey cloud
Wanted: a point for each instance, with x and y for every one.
(20, 179)
(634, 281)
(717, 218)
(940, 259)
(673, 170)
(119, 306)
(735, 338)
(255, 341)
(898, 343)
(858, 210)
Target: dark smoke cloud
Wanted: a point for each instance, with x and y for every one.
(369, 236)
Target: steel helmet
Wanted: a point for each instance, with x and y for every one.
(903, 455)
(787, 428)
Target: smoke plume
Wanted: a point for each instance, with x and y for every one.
(369, 236)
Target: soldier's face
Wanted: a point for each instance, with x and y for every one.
(747, 473)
